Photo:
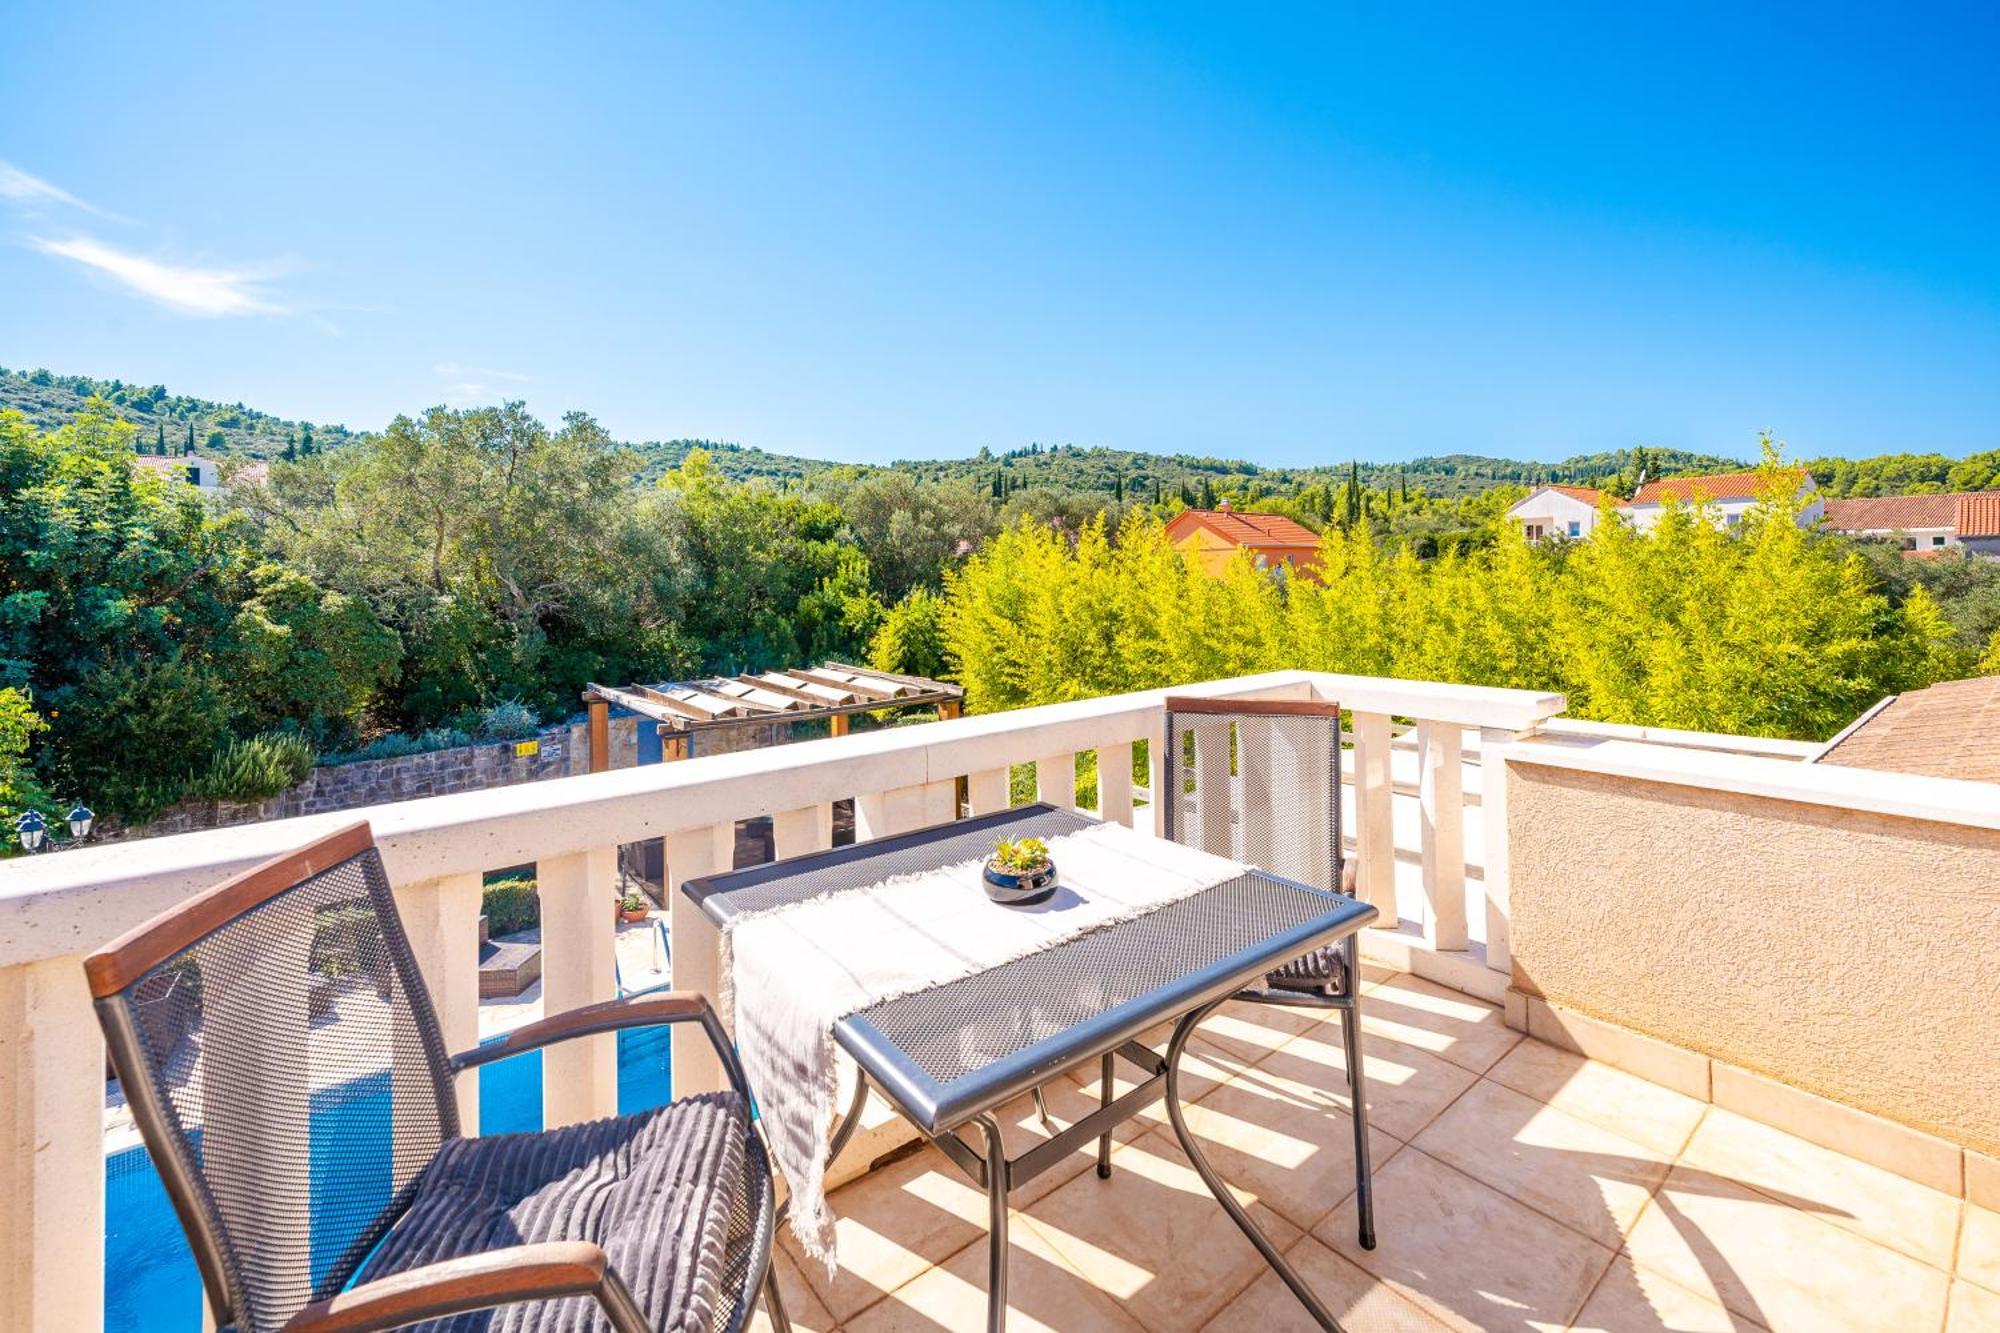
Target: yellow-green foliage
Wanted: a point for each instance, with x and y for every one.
(1765, 630)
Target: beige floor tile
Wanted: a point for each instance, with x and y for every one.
(1864, 1199)
(1044, 1295)
(1979, 1247)
(804, 1309)
(1778, 1265)
(1022, 1129)
(1585, 1177)
(1279, 1142)
(1466, 1252)
(1652, 1116)
(1153, 1238)
(1374, 974)
(1973, 1309)
(891, 1225)
(1632, 1298)
(1468, 1032)
(1204, 1067)
(1357, 1301)
(1252, 1031)
(1407, 1086)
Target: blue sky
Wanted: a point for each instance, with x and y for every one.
(877, 231)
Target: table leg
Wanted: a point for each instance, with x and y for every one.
(996, 1223)
(1221, 1192)
(1104, 1142)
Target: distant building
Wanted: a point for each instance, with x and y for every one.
(1210, 537)
(1925, 525)
(1978, 521)
(1729, 495)
(204, 474)
(1557, 511)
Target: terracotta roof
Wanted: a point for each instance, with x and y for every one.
(1589, 495)
(1888, 513)
(1945, 731)
(1248, 529)
(1978, 515)
(1721, 486)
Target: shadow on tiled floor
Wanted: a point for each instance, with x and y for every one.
(1518, 1187)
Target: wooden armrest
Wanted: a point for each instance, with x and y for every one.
(634, 1011)
(1187, 703)
(544, 1271)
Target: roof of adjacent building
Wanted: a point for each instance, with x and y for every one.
(1945, 731)
(1890, 513)
(1720, 486)
(1978, 515)
(1245, 529)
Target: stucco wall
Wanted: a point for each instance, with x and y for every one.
(1853, 955)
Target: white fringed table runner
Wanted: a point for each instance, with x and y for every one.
(790, 973)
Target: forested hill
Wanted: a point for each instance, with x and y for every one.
(219, 429)
(234, 429)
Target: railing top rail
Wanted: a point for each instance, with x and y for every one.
(70, 902)
(1903, 795)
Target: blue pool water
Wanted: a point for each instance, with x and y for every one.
(150, 1281)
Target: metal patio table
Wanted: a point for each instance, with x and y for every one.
(947, 1057)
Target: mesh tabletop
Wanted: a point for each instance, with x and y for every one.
(962, 1047)
(801, 878)
(963, 1027)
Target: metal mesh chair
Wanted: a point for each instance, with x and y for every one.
(1258, 781)
(284, 1064)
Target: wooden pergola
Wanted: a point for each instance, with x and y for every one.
(833, 690)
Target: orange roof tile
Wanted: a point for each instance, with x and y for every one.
(1722, 486)
(1888, 513)
(1246, 529)
(1978, 515)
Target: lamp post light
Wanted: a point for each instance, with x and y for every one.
(32, 830)
(81, 817)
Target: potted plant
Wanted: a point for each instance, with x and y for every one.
(632, 907)
(1019, 872)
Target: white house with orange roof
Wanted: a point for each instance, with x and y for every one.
(1557, 511)
(1727, 495)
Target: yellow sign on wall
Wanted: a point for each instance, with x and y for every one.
(522, 749)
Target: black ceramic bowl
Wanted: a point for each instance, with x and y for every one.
(1019, 888)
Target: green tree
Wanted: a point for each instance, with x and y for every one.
(911, 640)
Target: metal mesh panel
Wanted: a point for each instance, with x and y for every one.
(299, 1061)
(1263, 790)
(965, 1025)
(867, 864)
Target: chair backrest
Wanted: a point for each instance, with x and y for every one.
(1258, 781)
(284, 1065)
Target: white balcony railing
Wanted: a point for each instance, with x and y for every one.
(55, 909)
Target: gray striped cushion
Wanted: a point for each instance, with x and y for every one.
(1323, 968)
(653, 1189)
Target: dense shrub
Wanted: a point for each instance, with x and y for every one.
(509, 720)
(258, 767)
(511, 907)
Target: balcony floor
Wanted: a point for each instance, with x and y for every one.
(1517, 1187)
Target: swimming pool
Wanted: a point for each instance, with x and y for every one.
(150, 1282)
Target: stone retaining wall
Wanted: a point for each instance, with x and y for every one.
(560, 752)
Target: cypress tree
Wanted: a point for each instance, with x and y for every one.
(306, 445)
(160, 440)
(188, 449)
(291, 452)
(1118, 488)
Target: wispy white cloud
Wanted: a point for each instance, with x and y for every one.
(474, 386)
(26, 189)
(187, 288)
